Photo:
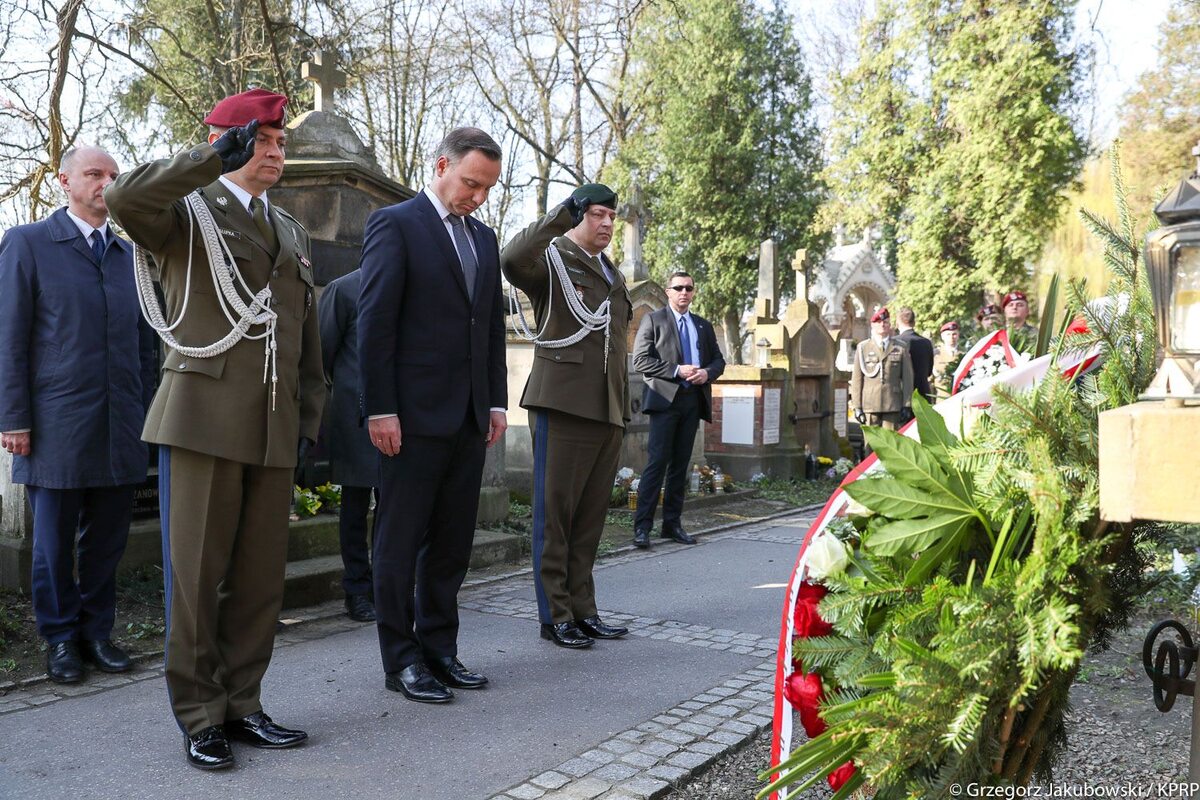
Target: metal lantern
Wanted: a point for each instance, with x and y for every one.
(763, 346)
(1173, 265)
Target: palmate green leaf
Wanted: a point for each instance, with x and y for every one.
(945, 550)
(932, 429)
(895, 499)
(890, 498)
(909, 461)
(906, 536)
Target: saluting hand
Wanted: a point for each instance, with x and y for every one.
(16, 443)
(236, 146)
(385, 434)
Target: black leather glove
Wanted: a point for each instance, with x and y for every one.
(302, 448)
(861, 416)
(236, 146)
(577, 208)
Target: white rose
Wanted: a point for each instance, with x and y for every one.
(827, 555)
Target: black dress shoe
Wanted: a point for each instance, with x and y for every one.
(593, 626)
(566, 634)
(678, 534)
(208, 749)
(641, 537)
(360, 608)
(105, 655)
(63, 664)
(450, 671)
(258, 730)
(416, 682)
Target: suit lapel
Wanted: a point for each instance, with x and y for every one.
(287, 237)
(65, 230)
(437, 231)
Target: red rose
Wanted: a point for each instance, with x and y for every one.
(807, 622)
(804, 693)
(839, 776)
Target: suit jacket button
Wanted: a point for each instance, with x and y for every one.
(274, 273)
(195, 155)
(558, 358)
(182, 367)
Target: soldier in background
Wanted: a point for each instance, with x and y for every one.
(1016, 315)
(881, 384)
(945, 356)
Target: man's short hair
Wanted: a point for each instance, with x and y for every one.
(907, 317)
(680, 274)
(64, 162)
(460, 141)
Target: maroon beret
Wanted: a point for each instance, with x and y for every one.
(987, 311)
(950, 326)
(1011, 296)
(240, 109)
(881, 315)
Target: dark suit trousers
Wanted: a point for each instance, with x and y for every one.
(352, 534)
(225, 532)
(672, 435)
(66, 609)
(424, 527)
(574, 463)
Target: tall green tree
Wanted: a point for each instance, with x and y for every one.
(1160, 120)
(193, 54)
(974, 107)
(727, 150)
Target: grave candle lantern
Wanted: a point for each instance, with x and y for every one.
(1173, 265)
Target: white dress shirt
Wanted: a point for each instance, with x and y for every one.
(243, 196)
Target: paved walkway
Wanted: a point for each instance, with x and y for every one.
(625, 719)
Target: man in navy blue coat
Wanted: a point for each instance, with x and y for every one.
(77, 366)
(431, 348)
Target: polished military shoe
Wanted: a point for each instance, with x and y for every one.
(259, 730)
(208, 749)
(567, 634)
(641, 537)
(593, 626)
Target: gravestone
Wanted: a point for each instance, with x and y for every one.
(818, 398)
(751, 403)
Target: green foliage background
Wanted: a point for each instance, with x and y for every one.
(957, 130)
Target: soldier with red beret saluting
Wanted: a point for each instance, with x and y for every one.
(239, 405)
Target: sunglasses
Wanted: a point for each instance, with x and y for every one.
(682, 288)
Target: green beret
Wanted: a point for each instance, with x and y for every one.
(598, 194)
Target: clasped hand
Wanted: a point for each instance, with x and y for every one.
(16, 443)
(693, 374)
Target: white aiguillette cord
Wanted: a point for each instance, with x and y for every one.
(588, 320)
(223, 269)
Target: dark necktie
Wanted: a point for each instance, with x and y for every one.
(258, 210)
(685, 342)
(98, 242)
(465, 254)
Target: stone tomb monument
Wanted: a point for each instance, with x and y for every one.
(750, 402)
(818, 400)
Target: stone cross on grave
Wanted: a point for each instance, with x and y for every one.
(802, 265)
(323, 71)
(633, 212)
(766, 305)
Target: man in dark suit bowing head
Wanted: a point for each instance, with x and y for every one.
(431, 342)
(677, 354)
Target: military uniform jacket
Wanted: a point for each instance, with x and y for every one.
(221, 406)
(571, 379)
(882, 380)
